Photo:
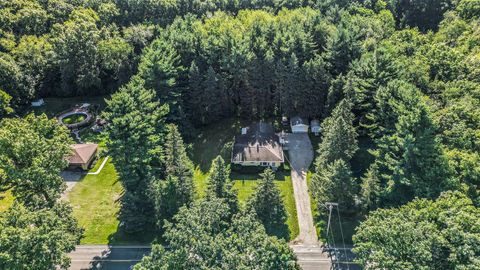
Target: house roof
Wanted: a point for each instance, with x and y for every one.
(82, 153)
(297, 120)
(260, 143)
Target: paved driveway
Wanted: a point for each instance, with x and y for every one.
(300, 155)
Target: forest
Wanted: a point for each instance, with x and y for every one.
(395, 83)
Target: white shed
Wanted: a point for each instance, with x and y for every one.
(38, 103)
(298, 125)
(315, 127)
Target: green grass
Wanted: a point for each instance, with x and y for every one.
(6, 200)
(54, 106)
(74, 118)
(245, 185)
(95, 204)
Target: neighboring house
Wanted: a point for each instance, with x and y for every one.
(83, 155)
(298, 125)
(315, 127)
(258, 145)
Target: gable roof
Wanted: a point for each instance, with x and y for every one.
(82, 153)
(297, 120)
(260, 143)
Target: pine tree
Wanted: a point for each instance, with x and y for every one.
(136, 122)
(195, 100)
(334, 183)
(213, 96)
(340, 138)
(177, 189)
(268, 205)
(219, 184)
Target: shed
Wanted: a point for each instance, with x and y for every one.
(38, 103)
(82, 155)
(299, 124)
(315, 127)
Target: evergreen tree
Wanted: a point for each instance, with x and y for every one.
(409, 159)
(334, 183)
(177, 189)
(159, 68)
(195, 98)
(219, 184)
(213, 97)
(267, 204)
(136, 122)
(339, 136)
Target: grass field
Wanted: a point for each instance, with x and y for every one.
(6, 200)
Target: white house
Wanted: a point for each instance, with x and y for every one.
(315, 127)
(298, 125)
(258, 145)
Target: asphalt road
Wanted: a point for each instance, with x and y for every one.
(105, 257)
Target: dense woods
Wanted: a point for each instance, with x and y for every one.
(396, 84)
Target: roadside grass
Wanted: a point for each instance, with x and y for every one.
(6, 200)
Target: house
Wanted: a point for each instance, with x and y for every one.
(83, 155)
(258, 145)
(315, 127)
(298, 124)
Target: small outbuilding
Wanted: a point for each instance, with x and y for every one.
(38, 103)
(315, 127)
(299, 124)
(83, 155)
(258, 145)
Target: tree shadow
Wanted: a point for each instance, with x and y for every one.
(118, 258)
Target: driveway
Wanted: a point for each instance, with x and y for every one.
(300, 154)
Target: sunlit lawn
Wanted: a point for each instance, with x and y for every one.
(6, 200)
(95, 204)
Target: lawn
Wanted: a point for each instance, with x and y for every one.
(6, 200)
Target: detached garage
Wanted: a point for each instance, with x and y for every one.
(299, 125)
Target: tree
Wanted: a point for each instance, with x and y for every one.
(5, 104)
(159, 69)
(32, 154)
(75, 43)
(267, 204)
(220, 242)
(136, 125)
(334, 183)
(423, 234)
(339, 136)
(219, 184)
(409, 161)
(177, 189)
(38, 240)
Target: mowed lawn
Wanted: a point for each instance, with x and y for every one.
(95, 204)
(6, 200)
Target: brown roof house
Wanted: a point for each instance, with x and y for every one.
(258, 145)
(83, 155)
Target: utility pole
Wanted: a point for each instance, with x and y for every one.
(329, 206)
